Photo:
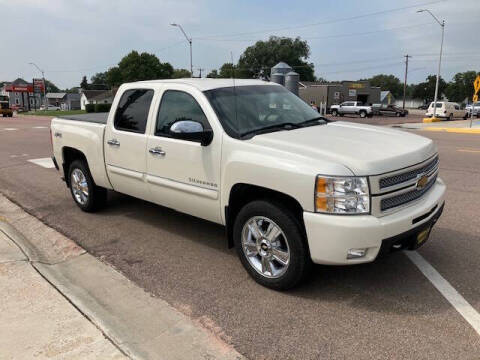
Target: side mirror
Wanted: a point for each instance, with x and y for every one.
(192, 131)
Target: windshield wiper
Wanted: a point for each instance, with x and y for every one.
(271, 128)
(314, 121)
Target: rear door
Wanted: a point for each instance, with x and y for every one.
(182, 174)
(126, 141)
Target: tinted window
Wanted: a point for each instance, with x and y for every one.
(457, 107)
(244, 109)
(175, 106)
(132, 110)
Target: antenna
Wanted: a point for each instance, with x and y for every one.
(234, 88)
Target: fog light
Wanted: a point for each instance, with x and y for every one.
(356, 253)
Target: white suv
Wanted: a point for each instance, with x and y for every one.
(447, 110)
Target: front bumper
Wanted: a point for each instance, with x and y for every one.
(331, 236)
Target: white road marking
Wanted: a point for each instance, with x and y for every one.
(9, 129)
(448, 291)
(40, 127)
(15, 156)
(44, 162)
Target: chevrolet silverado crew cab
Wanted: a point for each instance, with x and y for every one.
(290, 187)
(351, 108)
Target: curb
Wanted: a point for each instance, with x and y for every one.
(432, 119)
(140, 325)
(453, 130)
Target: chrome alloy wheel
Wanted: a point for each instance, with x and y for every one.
(265, 247)
(79, 185)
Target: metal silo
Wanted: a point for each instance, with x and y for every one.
(291, 82)
(278, 78)
(280, 68)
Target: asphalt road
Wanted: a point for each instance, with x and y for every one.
(386, 309)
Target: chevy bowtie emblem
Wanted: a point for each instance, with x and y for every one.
(422, 182)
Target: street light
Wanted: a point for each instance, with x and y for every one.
(190, 42)
(442, 24)
(44, 85)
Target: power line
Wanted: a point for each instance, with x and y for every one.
(329, 36)
(381, 12)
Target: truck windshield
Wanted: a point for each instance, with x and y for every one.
(248, 109)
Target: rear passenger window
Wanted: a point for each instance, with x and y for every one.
(132, 110)
(175, 106)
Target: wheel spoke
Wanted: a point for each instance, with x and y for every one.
(251, 249)
(280, 255)
(272, 232)
(255, 230)
(266, 266)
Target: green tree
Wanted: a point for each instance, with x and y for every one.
(266, 54)
(99, 81)
(426, 90)
(51, 87)
(461, 86)
(228, 70)
(213, 74)
(388, 82)
(137, 67)
(181, 73)
(84, 83)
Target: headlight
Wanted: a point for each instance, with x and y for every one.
(342, 195)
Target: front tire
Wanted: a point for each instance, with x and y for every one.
(363, 114)
(88, 196)
(334, 112)
(271, 245)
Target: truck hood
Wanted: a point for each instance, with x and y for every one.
(364, 149)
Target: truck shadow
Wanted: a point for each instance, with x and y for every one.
(391, 284)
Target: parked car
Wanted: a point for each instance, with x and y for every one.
(476, 109)
(50, 107)
(423, 107)
(290, 187)
(447, 110)
(350, 108)
(389, 110)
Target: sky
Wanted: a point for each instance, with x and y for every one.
(348, 39)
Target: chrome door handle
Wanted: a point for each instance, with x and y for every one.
(157, 151)
(113, 142)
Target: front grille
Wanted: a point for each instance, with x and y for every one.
(409, 175)
(406, 197)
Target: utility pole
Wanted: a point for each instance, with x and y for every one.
(405, 82)
(200, 70)
(189, 39)
(442, 25)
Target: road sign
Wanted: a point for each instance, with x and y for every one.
(475, 98)
(476, 84)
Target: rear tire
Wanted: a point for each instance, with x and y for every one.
(88, 196)
(334, 112)
(398, 114)
(450, 117)
(271, 245)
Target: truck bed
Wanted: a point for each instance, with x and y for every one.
(97, 118)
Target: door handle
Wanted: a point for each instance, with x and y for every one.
(157, 151)
(113, 142)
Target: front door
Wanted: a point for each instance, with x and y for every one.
(182, 174)
(126, 141)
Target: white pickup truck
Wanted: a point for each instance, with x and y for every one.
(351, 108)
(290, 187)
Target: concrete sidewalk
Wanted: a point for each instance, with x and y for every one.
(59, 302)
(459, 126)
(36, 321)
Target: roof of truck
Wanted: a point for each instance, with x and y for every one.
(204, 84)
